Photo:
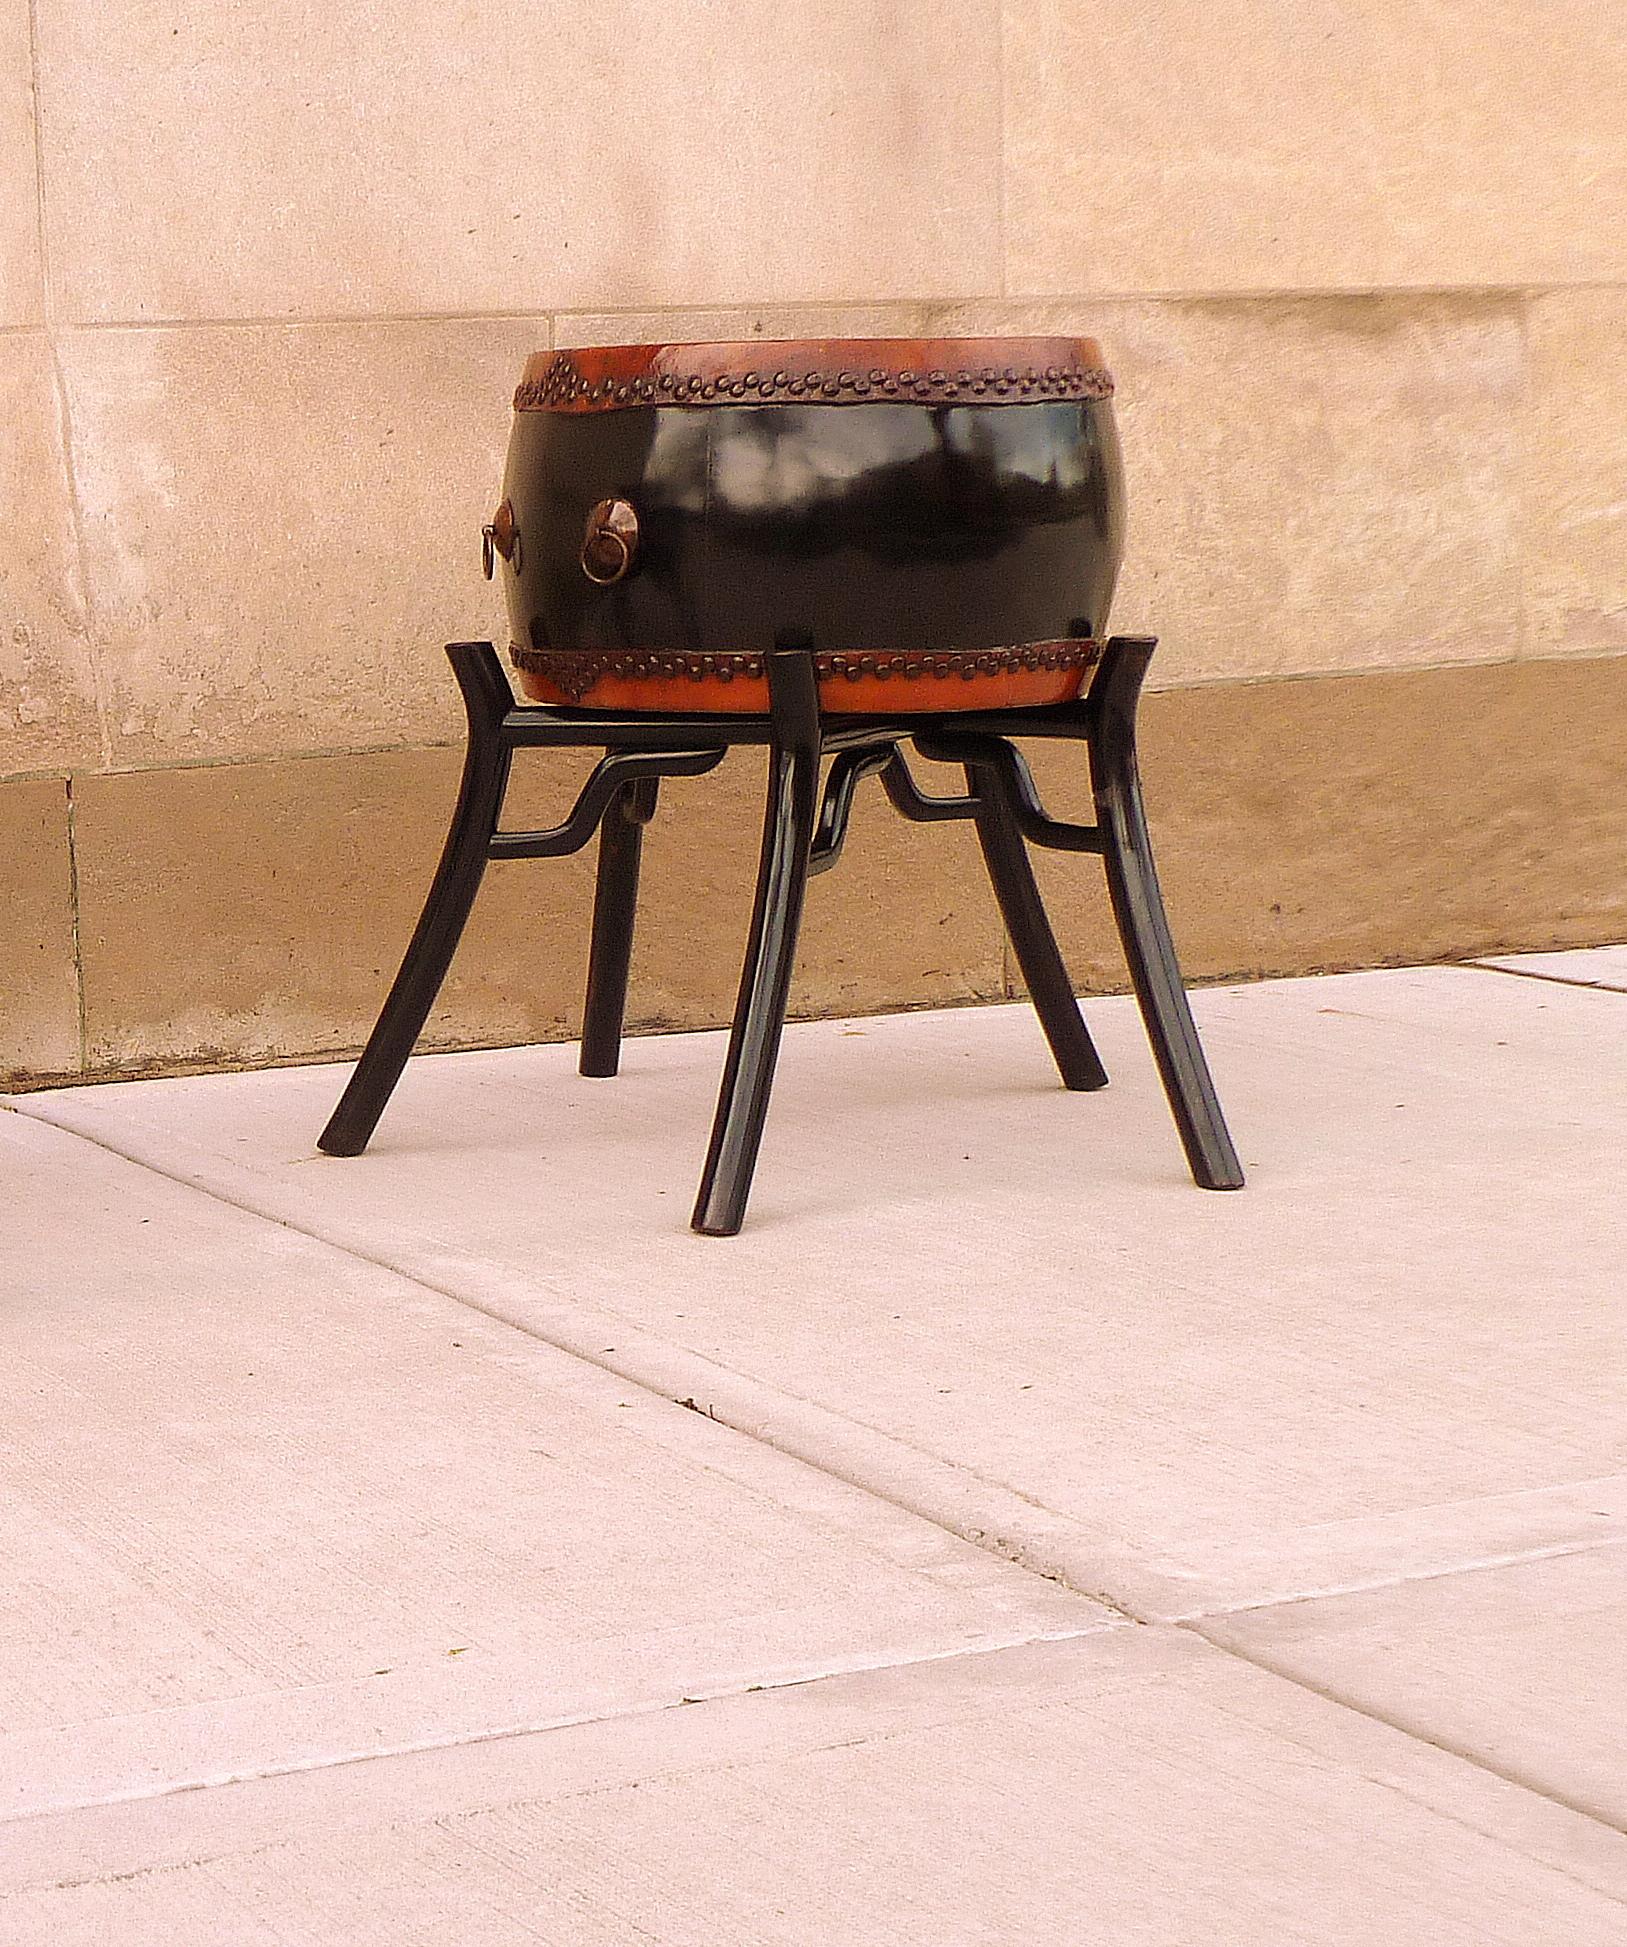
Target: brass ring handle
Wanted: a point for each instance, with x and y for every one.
(606, 537)
(610, 543)
(500, 536)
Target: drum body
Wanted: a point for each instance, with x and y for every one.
(943, 518)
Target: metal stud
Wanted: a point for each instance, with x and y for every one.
(565, 385)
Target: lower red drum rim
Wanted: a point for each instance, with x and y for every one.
(898, 682)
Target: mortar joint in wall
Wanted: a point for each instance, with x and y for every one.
(74, 936)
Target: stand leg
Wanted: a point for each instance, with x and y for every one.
(486, 698)
(1138, 907)
(765, 983)
(615, 899)
(1012, 875)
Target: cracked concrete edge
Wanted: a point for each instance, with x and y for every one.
(1087, 1559)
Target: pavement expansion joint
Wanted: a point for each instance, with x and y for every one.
(1510, 1774)
(1550, 979)
(1372, 1584)
(834, 1671)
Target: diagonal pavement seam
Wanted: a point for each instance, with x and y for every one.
(1395, 1721)
(1532, 973)
(901, 1475)
(702, 1693)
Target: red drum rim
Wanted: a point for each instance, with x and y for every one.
(816, 371)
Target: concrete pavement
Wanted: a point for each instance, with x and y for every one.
(272, 1508)
(1109, 1562)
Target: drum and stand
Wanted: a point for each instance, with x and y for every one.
(829, 549)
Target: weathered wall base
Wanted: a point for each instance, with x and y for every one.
(245, 913)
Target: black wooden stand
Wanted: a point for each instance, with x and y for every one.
(803, 831)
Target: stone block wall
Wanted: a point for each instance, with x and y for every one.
(267, 276)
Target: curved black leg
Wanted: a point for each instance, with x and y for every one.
(486, 698)
(615, 899)
(1012, 875)
(765, 982)
(1138, 907)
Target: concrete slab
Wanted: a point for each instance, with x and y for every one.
(1400, 1350)
(1595, 966)
(1125, 1790)
(265, 1507)
(1522, 1667)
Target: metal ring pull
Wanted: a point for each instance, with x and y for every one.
(500, 536)
(593, 552)
(611, 541)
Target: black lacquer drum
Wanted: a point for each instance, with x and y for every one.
(944, 518)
